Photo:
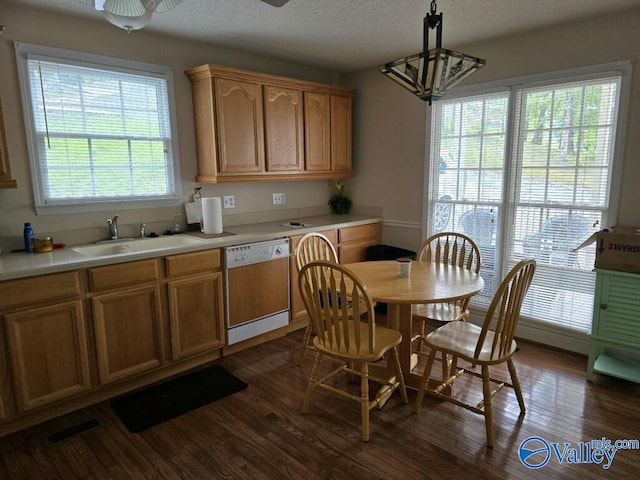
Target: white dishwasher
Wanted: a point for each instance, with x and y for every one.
(257, 287)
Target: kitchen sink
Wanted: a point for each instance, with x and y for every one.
(118, 247)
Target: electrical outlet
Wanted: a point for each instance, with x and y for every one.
(279, 199)
(229, 201)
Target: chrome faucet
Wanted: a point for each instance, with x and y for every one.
(113, 227)
(143, 226)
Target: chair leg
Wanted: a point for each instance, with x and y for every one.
(305, 342)
(399, 376)
(425, 380)
(364, 399)
(311, 385)
(445, 366)
(488, 408)
(516, 384)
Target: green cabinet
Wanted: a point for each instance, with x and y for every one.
(615, 333)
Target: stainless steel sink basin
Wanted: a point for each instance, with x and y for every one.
(136, 246)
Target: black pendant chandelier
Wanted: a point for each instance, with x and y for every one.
(431, 73)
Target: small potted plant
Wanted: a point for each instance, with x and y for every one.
(339, 202)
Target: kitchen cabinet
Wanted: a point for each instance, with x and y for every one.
(341, 133)
(284, 129)
(255, 127)
(5, 168)
(128, 318)
(196, 303)
(351, 244)
(317, 116)
(46, 336)
(615, 332)
(240, 127)
(354, 241)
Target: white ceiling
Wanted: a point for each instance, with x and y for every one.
(346, 35)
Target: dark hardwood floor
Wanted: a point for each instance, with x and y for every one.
(260, 432)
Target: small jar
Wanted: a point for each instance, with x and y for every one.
(44, 244)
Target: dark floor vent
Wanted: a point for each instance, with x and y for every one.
(71, 431)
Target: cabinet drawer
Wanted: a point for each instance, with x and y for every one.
(359, 233)
(30, 291)
(195, 262)
(114, 276)
(332, 235)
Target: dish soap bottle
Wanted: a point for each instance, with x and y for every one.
(28, 237)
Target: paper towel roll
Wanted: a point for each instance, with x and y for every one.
(212, 215)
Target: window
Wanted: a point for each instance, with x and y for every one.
(100, 131)
(527, 171)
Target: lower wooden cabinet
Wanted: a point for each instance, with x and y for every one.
(196, 314)
(196, 303)
(351, 244)
(49, 352)
(354, 241)
(128, 331)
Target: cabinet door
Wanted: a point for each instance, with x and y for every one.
(128, 332)
(340, 134)
(317, 125)
(196, 314)
(49, 353)
(240, 127)
(5, 168)
(618, 309)
(284, 141)
(354, 241)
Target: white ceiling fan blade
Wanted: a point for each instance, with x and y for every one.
(275, 3)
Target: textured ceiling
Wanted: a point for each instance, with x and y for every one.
(345, 35)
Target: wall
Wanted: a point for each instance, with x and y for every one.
(389, 131)
(70, 32)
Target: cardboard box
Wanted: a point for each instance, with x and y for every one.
(617, 248)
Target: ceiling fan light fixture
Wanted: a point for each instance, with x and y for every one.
(128, 24)
(125, 8)
(431, 73)
(131, 15)
(166, 5)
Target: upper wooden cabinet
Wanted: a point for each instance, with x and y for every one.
(340, 133)
(252, 126)
(317, 132)
(284, 129)
(240, 127)
(5, 169)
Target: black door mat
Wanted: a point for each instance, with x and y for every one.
(159, 403)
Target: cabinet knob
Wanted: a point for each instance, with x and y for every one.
(603, 306)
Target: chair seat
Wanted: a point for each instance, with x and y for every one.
(440, 312)
(461, 339)
(386, 338)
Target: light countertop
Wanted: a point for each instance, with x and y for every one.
(21, 264)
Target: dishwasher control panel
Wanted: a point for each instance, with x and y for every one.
(249, 253)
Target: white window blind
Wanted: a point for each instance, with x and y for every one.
(527, 172)
(99, 132)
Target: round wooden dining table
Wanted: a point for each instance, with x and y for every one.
(428, 282)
